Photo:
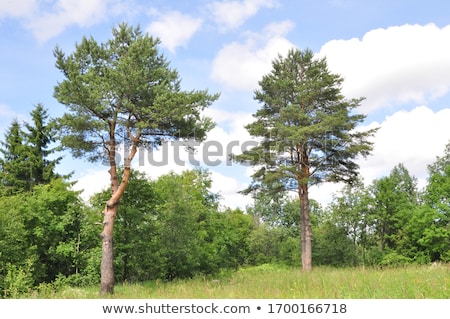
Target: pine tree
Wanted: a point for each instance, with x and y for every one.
(308, 133)
(123, 91)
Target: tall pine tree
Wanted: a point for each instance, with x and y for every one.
(123, 91)
(308, 133)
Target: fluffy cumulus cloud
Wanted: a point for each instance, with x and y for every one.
(400, 64)
(227, 188)
(413, 138)
(47, 19)
(174, 28)
(240, 65)
(91, 182)
(232, 14)
(63, 13)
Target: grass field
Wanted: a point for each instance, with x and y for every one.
(275, 282)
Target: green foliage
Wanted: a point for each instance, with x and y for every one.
(306, 125)
(15, 170)
(307, 133)
(135, 232)
(226, 240)
(389, 223)
(276, 210)
(290, 251)
(171, 228)
(13, 233)
(25, 154)
(52, 216)
(123, 91)
(394, 260)
(17, 281)
(438, 187)
(264, 245)
(333, 247)
(39, 137)
(40, 228)
(394, 198)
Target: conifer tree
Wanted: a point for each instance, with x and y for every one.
(15, 170)
(308, 133)
(123, 92)
(25, 154)
(39, 137)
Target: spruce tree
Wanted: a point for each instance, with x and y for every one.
(15, 171)
(25, 154)
(39, 137)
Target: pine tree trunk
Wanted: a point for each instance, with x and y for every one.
(110, 212)
(107, 263)
(305, 227)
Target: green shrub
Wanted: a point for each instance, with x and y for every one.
(18, 280)
(395, 259)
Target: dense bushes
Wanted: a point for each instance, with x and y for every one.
(172, 228)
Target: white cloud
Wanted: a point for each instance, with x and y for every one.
(242, 65)
(233, 14)
(174, 29)
(18, 8)
(64, 13)
(413, 138)
(228, 187)
(400, 64)
(47, 19)
(92, 182)
(323, 193)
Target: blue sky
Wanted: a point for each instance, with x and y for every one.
(395, 53)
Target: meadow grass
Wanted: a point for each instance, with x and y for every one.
(276, 282)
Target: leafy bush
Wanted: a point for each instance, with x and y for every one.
(394, 259)
(18, 280)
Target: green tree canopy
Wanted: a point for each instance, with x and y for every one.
(394, 198)
(437, 193)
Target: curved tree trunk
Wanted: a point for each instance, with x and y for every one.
(110, 212)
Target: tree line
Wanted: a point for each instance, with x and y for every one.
(173, 227)
(123, 93)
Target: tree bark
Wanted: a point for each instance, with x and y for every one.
(107, 263)
(109, 215)
(305, 227)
